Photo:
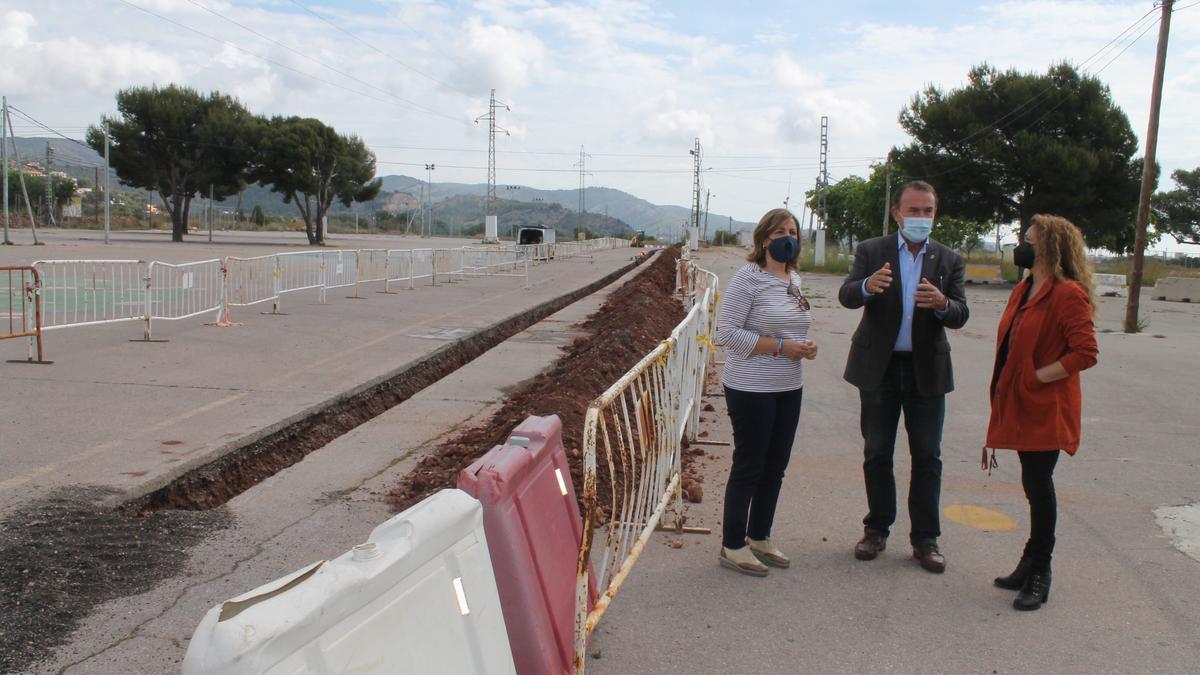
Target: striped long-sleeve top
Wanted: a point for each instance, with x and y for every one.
(757, 303)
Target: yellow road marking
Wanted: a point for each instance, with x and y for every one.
(979, 517)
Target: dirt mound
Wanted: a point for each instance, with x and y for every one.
(64, 554)
(635, 318)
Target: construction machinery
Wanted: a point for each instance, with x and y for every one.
(639, 239)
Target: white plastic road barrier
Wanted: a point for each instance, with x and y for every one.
(418, 597)
(1110, 285)
(1174, 289)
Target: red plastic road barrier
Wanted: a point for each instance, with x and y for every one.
(533, 531)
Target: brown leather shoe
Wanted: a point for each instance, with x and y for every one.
(871, 545)
(931, 558)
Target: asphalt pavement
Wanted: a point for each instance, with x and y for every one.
(1125, 596)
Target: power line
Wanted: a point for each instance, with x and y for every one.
(380, 51)
(30, 118)
(1036, 98)
(313, 59)
(1045, 92)
(277, 64)
(639, 155)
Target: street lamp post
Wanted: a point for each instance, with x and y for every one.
(429, 195)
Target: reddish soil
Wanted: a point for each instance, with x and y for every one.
(632, 322)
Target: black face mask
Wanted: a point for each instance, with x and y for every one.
(1024, 255)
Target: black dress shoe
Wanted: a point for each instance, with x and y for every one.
(930, 557)
(871, 545)
(1016, 580)
(1035, 592)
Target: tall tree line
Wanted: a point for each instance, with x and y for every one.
(1008, 145)
(184, 144)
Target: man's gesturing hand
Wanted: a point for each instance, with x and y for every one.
(878, 282)
(929, 297)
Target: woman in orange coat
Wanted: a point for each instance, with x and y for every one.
(1046, 337)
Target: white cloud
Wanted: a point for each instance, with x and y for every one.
(494, 56)
(618, 76)
(14, 30)
(773, 34)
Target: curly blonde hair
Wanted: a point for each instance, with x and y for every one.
(1061, 247)
(770, 220)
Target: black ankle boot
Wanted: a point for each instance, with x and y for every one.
(1016, 580)
(1035, 592)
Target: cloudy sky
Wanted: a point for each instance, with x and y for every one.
(632, 82)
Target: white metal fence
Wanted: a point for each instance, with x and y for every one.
(632, 441)
(90, 292)
(176, 292)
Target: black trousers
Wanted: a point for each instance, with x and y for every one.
(764, 427)
(879, 420)
(1037, 477)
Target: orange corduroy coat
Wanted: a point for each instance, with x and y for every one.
(1054, 325)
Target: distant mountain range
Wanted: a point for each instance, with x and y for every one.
(605, 206)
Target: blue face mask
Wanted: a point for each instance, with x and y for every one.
(784, 249)
(917, 229)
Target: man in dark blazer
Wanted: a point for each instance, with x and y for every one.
(911, 290)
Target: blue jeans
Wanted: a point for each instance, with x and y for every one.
(923, 417)
(764, 428)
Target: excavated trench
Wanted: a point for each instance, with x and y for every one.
(268, 452)
(66, 553)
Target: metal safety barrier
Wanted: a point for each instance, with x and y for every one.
(90, 292)
(422, 264)
(71, 293)
(495, 262)
(372, 267)
(175, 292)
(299, 271)
(250, 281)
(21, 309)
(447, 262)
(632, 442)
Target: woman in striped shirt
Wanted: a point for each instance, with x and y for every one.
(763, 324)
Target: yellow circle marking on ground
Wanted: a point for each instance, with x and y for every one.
(979, 517)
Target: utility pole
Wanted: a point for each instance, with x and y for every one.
(823, 177)
(696, 154)
(21, 176)
(49, 185)
(208, 215)
(429, 198)
(887, 195)
(582, 172)
(4, 162)
(489, 228)
(107, 194)
(707, 195)
(1148, 167)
